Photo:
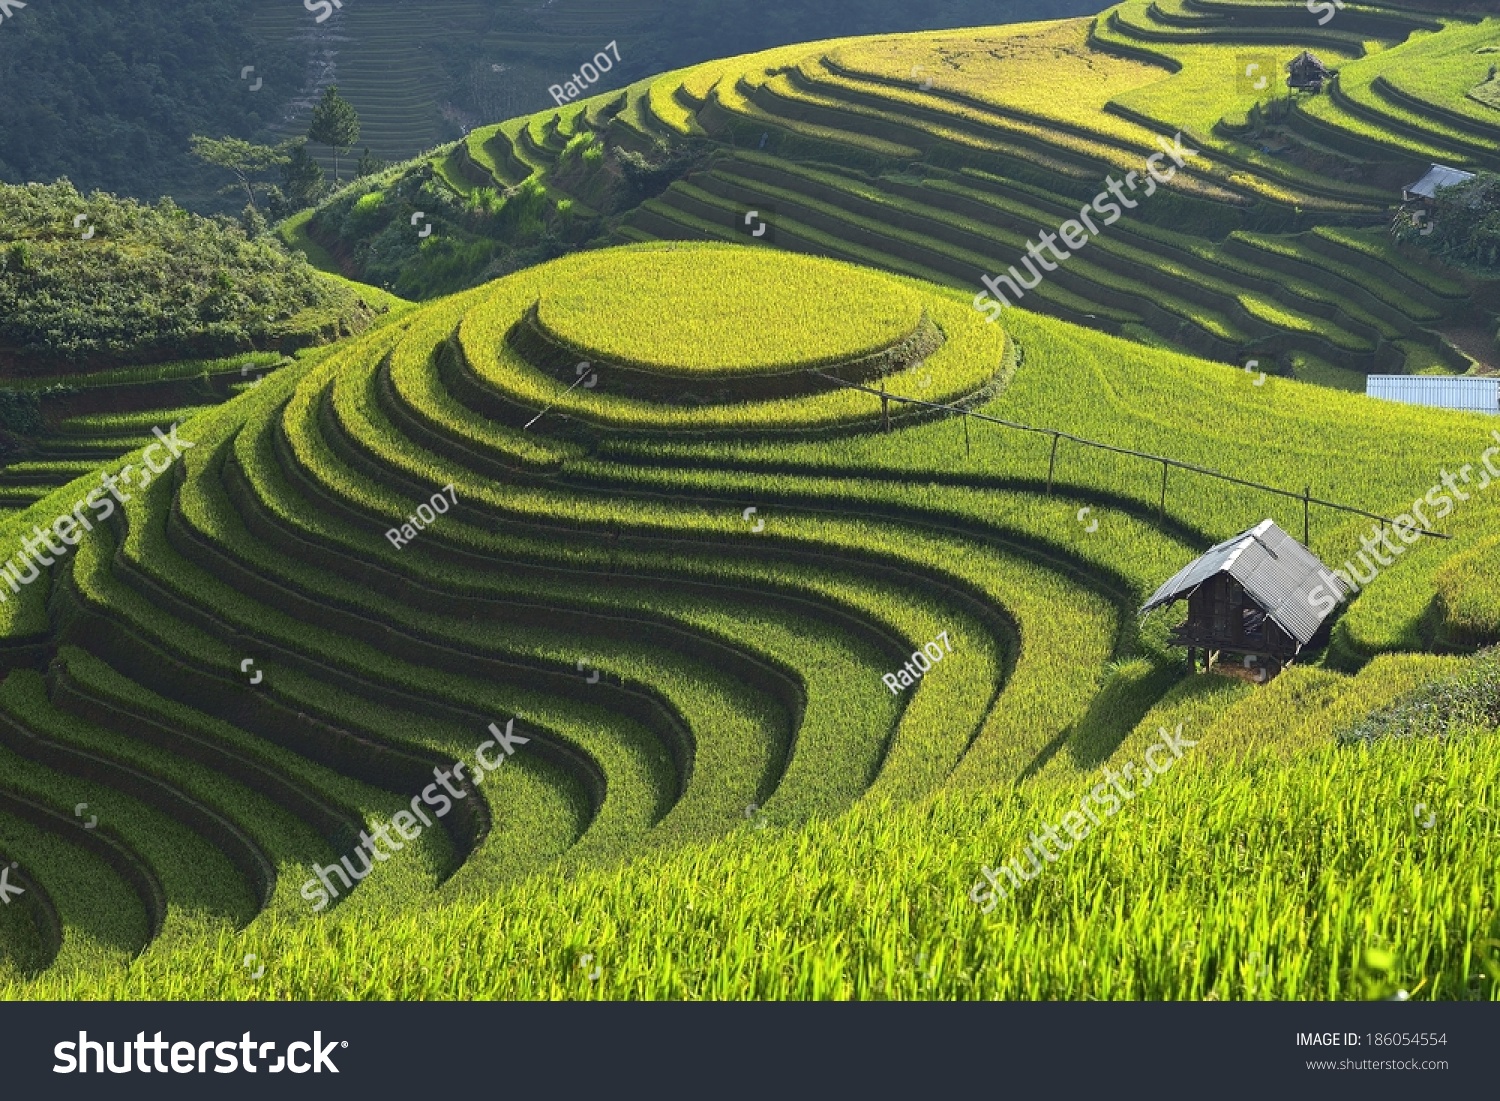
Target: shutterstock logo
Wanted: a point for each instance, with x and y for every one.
(1325, 10)
(323, 9)
(758, 224)
(73, 1057)
(9, 8)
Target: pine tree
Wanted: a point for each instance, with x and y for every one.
(335, 124)
(302, 178)
(244, 159)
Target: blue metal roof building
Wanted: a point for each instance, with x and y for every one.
(1466, 393)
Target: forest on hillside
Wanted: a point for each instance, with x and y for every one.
(155, 282)
(108, 96)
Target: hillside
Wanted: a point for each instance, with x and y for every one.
(108, 96)
(939, 155)
(92, 281)
(700, 591)
(116, 316)
(687, 618)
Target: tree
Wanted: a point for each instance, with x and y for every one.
(302, 177)
(369, 165)
(1463, 226)
(18, 259)
(335, 124)
(245, 159)
(253, 222)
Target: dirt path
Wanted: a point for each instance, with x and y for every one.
(1479, 345)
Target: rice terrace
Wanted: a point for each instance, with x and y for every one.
(881, 518)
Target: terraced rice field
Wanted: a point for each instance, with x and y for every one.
(96, 418)
(684, 596)
(662, 519)
(939, 155)
(387, 58)
(394, 61)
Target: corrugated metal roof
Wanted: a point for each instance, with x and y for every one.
(1439, 176)
(1470, 393)
(1278, 572)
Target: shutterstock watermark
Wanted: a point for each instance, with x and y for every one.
(1110, 204)
(1325, 10)
(1443, 498)
(183, 1057)
(1117, 789)
(323, 9)
(320, 889)
(101, 501)
(9, 8)
(7, 889)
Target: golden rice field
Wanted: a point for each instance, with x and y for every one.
(733, 310)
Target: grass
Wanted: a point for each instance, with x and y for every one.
(294, 232)
(157, 372)
(1175, 898)
(1054, 107)
(970, 357)
(1147, 400)
(872, 544)
(1441, 68)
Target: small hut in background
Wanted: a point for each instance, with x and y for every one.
(1253, 597)
(1308, 73)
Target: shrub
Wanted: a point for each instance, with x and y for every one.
(1466, 701)
(1465, 226)
(150, 283)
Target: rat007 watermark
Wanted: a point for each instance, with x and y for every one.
(922, 660)
(427, 512)
(587, 75)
